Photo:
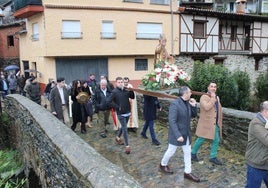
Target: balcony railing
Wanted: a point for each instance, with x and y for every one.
(147, 35)
(108, 35)
(196, 1)
(71, 35)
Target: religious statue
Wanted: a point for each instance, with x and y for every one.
(163, 75)
(161, 54)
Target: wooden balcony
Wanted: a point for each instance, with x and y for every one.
(27, 8)
(201, 4)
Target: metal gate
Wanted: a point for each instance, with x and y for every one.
(72, 69)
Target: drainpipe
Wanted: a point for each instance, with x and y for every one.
(172, 41)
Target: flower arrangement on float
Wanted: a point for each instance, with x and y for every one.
(164, 76)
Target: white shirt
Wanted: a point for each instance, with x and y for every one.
(104, 91)
(62, 95)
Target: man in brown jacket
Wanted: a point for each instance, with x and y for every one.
(209, 124)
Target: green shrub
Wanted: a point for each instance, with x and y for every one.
(4, 119)
(254, 104)
(243, 83)
(261, 87)
(10, 162)
(227, 89)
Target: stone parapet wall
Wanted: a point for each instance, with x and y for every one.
(231, 62)
(55, 153)
(235, 125)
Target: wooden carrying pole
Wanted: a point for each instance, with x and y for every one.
(162, 95)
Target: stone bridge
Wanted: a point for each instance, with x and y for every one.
(55, 154)
(59, 157)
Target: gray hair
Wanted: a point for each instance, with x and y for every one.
(264, 106)
(103, 81)
(183, 90)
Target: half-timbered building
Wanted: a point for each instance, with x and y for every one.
(239, 41)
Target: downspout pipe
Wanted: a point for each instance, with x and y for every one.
(172, 28)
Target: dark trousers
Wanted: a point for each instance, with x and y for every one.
(123, 129)
(103, 119)
(149, 124)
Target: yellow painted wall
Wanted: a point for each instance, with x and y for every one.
(121, 52)
(114, 3)
(91, 44)
(125, 67)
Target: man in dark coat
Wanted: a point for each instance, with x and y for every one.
(34, 91)
(102, 108)
(149, 112)
(21, 84)
(180, 112)
(59, 101)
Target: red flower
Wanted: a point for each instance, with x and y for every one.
(152, 79)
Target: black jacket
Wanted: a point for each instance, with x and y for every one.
(150, 107)
(119, 100)
(101, 100)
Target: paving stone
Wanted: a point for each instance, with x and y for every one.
(143, 161)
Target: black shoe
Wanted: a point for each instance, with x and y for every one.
(165, 169)
(194, 157)
(103, 135)
(216, 161)
(144, 136)
(83, 131)
(156, 142)
(134, 130)
(191, 177)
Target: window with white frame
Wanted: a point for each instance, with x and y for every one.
(35, 35)
(148, 30)
(141, 64)
(71, 29)
(107, 30)
(160, 2)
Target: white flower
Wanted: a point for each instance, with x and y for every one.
(165, 75)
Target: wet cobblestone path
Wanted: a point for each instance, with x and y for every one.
(143, 161)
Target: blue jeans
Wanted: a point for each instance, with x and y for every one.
(255, 177)
(123, 129)
(149, 124)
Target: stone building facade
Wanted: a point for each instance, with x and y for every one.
(232, 63)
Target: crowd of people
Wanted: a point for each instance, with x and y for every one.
(104, 97)
(87, 97)
(12, 83)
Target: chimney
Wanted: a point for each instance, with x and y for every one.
(240, 6)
